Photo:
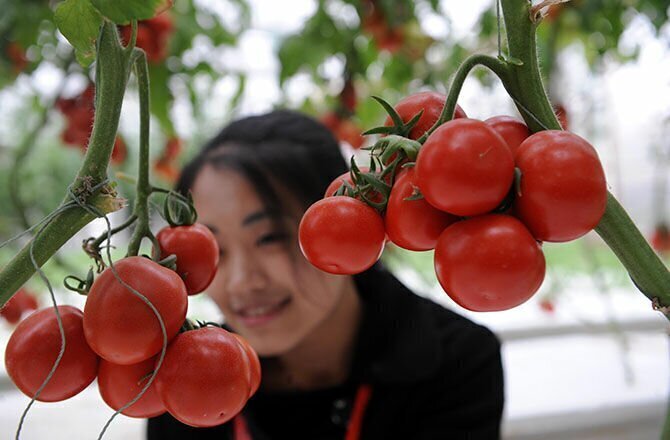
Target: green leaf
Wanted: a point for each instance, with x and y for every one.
(123, 11)
(80, 23)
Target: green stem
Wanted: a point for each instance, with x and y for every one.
(497, 66)
(112, 75)
(144, 188)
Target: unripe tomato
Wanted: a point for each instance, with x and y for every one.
(118, 325)
(120, 384)
(413, 224)
(34, 346)
(205, 379)
(197, 254)
(489, 263)
(341, 235)
(511, 129)
(431, 103)
(563, 192)
(465, 168)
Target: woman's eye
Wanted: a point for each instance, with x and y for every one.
(272, 237)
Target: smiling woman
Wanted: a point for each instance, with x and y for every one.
(342, 356)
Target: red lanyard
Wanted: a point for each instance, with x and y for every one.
(241, 430)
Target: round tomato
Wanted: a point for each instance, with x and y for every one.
(489, 263)
(205, 379)
(341, 235)
(465, 168)
(21, 302)
(118, 325)
(197, 254)
(511, 129)
(254, 364)
(431, 103)
(119, 384)
(339, 181)
(563, 193)
(34, 346)
(413, 224)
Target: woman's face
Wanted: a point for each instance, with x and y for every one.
(265, 288)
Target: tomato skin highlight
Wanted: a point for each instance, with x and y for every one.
(34, 346)
(563, 192)
(511, 129)
(204, 379)
(254, 364)
(465, 168)
(119, 384)
(197, 254)
(118, 325)
(341, 235)
(489, 263)
(431, 103)
(413, 224)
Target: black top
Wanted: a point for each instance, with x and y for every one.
(434, 375)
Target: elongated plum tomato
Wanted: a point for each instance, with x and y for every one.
(197, 254)
(341, 235)
(489, 263)
(34, 346)
(118, 325)
(205, 379)
(431, 103)
(465, 168)
(563, 192)
(413, 224)
(511, 129)
(120, 384)
(254, 364)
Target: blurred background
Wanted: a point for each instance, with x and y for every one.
(585, 358)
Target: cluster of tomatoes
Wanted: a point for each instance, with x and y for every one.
(483, 194)
(79, 112)
(207, 374)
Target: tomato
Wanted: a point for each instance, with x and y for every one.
(254, 364)
(547, 306)
(343, 129)
(489, 263)
(562, 116)
(431, 103)
(413, 224)
(660, 240)
(153, 36)
(372, 195)
(34, 346)
(17, 56)
(118, 325)
(21, 302)
(511, 129)
(79, 113)
(465, 168)
(119, 384)
(563, 193)
(205, 379)
(119, 151)
(341, 235)
(197, 254)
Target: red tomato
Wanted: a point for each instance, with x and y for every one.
(563, 192)
(413, 224)
(118, 325)
(431, 103)
(205, 379)
(119, 384)
(341, 235)
(197, 254)
(153, 36)
(254, 364)
(17, 55)
(562, 116)
(119, 151)
(547, 306)
(34, 346)
(489, 263)
(465, 168)
(511, 129)
(660, 240)
(21, 302)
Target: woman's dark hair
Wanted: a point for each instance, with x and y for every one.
(282, 147)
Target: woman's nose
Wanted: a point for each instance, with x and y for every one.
(244, 274)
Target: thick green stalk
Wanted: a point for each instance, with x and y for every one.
(112, 75)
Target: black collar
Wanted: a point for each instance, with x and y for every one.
(398, 341)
